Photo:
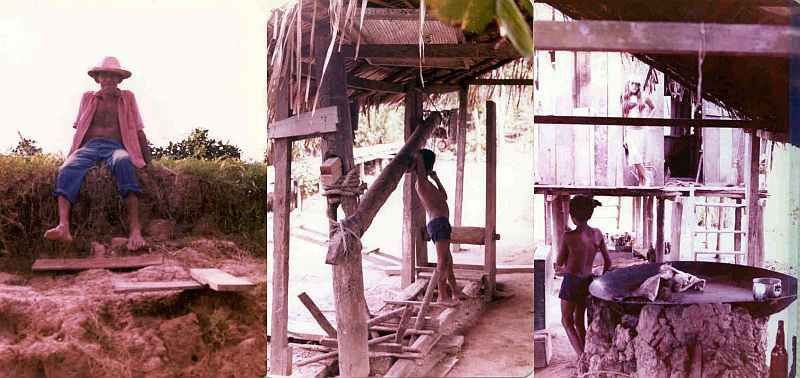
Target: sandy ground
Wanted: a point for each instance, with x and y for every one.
(74, 325)
(508, 322)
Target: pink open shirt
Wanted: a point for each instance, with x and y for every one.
(130, 122)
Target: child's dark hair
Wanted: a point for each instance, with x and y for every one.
(428, 157)
(581, 207)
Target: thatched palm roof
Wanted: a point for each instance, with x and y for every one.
(754, 87)
(386, 24)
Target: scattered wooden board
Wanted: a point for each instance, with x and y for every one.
(130, 262)
(137, 287)
(219, 280)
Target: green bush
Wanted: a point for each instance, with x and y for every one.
(197, 146)
(227, 196)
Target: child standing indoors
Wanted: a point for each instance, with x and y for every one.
(575, 258)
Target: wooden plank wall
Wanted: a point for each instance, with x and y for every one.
(586, 155)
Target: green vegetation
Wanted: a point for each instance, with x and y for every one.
(219, 195)
(198, 146)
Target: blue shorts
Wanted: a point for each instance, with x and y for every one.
(439, 229)
(575, 288)
(72, 172)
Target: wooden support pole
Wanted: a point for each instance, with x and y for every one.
(461, 145)
(548, 221)
(676, 223)
(420, 321)
(637, 222)
(558, 217)
(660, 230)
(348, 280)
(490, 248)
(280, 352)
(755, 255)
(317, 314)
(401, 329)
(647, 216)
(410, 199)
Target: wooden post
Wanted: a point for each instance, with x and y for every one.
(660, 230)
(411, 227)
(348, 281)
(461, 146)
(647, 217)
(637, 222)
(281, 353)
(676, 223)
(490, 265)
(548, 221)
(755, 255)
(420, 244)
(558, 220)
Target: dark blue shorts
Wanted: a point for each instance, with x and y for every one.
(574, 288)
(439, 229)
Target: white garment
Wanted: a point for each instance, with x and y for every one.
(636, 140)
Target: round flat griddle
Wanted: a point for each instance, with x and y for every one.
(725, 283)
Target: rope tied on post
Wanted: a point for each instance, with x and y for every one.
(341, 232)
(349, 184)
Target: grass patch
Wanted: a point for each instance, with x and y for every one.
(226, 195)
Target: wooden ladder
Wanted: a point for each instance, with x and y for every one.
(738, 252)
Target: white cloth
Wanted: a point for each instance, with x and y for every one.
(678, 282)
(636, 141)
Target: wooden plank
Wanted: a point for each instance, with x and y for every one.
(638, 230)
(412, 290)
(719, 232)
(601, 166)
(737, 225)
(711, 158)
(415, 303)
(546, 160)
(727, 165)
(616, 156)
(665, 37)
(403, 325)
(385, 316)
(374, 85)
(470, 235)
(220, 281)
(138, 287)
(131, 262)
(473, 269)
(280, 351)
(515, 82)
(443, 50)
(305, 125)
(404, 367)
(637, 191)
(566, 121)
(460, 154)
(755, 256)
(712, 204)
(676, 224)
(583, 155)
(660, 230)
(410, 197)
(490, 246)
(647, 218)
(317, 314)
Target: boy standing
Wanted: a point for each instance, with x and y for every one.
(434, 200)
(575, 259)
(108, 128)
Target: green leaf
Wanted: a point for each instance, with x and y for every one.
(515, 27)
(471, 15)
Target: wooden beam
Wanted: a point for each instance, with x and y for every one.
(755, 255)
(132, 262)
(651, 122)
(348, 276)
(456, 50)
(374, 85)
(220, 281)
(665, 37)
(676, 223)
(379, 192)
(280, 352)
(470, 235)
(461, 144)
(138, 287)
(317, 314)
(490, 248)
(499, 82)
(410, 197)
(659, 230)
(305, 125)
(439, 88)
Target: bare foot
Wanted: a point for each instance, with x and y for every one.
(58, 233)
(135, 240)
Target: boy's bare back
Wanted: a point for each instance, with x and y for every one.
(581, 245)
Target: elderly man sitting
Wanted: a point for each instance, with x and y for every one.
(108, 128)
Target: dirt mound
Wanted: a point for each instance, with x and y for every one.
(74, 325)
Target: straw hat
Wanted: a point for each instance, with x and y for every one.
(109, 64)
